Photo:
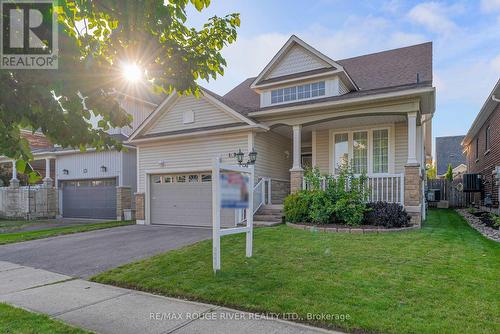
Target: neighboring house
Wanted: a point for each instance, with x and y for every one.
(482, 147)
(303, 108)
(449, 151)
(96, 184)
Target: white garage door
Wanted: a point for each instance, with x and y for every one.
(184, 199)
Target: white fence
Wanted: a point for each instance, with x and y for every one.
(384, 187)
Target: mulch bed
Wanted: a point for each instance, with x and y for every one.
(482, 223)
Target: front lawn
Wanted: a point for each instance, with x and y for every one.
(440, 279)
(13, 225)
(18, 321)
(7, 238)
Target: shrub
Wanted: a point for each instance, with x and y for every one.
(386, 214)
(349, 211)
(296, 207)
(321, 207)
(471, 210)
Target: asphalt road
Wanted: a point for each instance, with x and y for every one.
(86, 254)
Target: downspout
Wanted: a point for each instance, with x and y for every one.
(494, 98)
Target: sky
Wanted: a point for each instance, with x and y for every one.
(465, 36)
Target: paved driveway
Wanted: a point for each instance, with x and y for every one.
(89, 253)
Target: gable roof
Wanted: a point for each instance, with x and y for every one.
(323, 64)
(223, 104)
(449, 151)
(375, 73)
(487, 109)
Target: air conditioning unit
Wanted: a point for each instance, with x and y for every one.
(472, 182)
(496, 173)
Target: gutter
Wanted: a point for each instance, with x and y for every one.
(341, 102)
(494, 98)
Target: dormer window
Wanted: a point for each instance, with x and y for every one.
(301, 92)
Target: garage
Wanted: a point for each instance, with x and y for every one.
(89, 199)
(185, 199)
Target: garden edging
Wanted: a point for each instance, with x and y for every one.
(351, 230)
(476, 224)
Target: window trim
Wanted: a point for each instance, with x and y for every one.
(350, 131)
(487, 140)
(280, 92)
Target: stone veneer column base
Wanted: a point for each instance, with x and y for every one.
(140, 205)
(413, 192)
(123, 201)
(296, 177)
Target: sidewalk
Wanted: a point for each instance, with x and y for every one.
(106, 309)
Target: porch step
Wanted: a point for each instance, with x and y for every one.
(266, 218)
(269, 214)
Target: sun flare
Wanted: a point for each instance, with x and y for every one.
(132, 72)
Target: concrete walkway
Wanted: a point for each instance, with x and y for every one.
(106, 309)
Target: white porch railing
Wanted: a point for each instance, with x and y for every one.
(384, 187)
(261, 196)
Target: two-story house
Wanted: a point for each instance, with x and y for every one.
(482, 148)
(374, 111)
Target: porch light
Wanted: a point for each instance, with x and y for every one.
(65, 171)
(104, 169)
(253, 157)
(239, 156)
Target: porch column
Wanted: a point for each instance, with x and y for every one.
(296, 173)
(47, 181)
(413, 174)
(14, 182)
(412, 138)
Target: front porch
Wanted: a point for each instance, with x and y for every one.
(389, 149)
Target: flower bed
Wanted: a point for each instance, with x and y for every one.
(346, 229)
(481, 221)
(342, 205)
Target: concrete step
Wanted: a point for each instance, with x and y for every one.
(267, 218)
(274, 212)
(272, 206)
(266, 224)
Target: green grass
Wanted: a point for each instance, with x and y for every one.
(7, 238)
(18, 321)
(12, 225)
(440, 279)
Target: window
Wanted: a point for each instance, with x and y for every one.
(341, 150)
(318, 89)
(193, 178)
(298, 92)
(380, 151)
(277, 96)
(487, 139)
(181, 178)
(156, 179)
(360, 152)
(168, 179)
(290, 94)
(206, 178)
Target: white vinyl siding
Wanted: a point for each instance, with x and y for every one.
(139, 111)
(401, 146)
(297, 60)
(274, 157)
(322, 154)
(184, 154)
(343, 88)
(205, 114)
(91, 162)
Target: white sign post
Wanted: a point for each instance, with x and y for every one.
(231, 191)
